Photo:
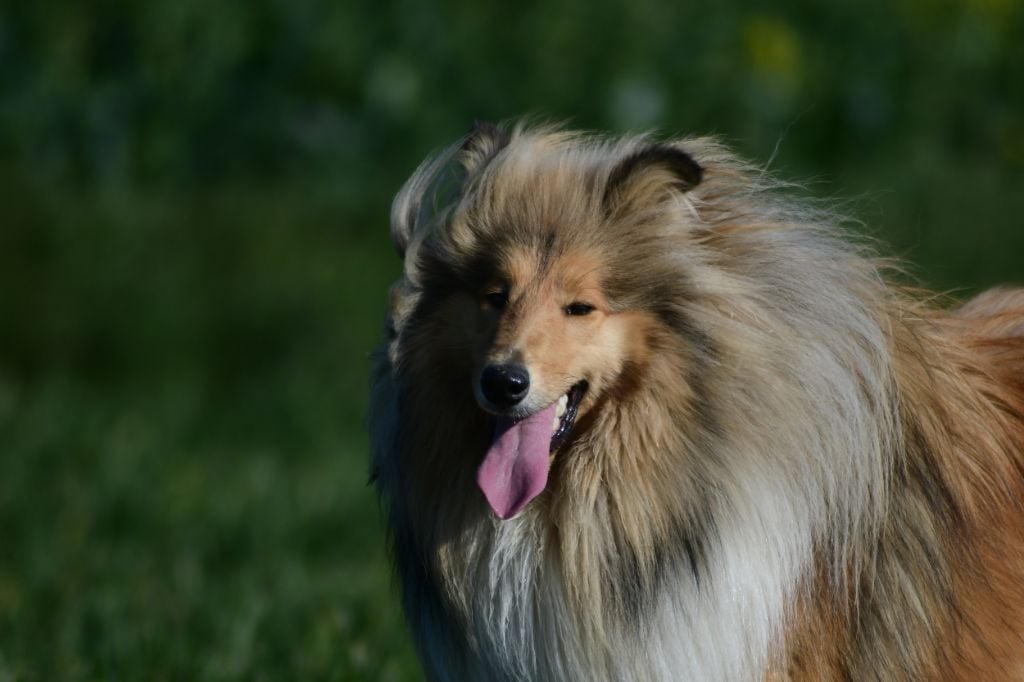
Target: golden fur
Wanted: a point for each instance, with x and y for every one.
(783, 467)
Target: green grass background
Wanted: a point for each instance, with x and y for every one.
(193, 262)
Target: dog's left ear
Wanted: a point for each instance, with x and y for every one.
(481, 145)
(647, 174)
(416, 203)
(440, 180)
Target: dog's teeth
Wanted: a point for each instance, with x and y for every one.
(563, 403)
(554, 423)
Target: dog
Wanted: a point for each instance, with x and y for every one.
(642, 415)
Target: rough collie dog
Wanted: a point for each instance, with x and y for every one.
(639, 416)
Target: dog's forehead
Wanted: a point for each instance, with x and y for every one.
(534, 224)
(542, 183)
(544, 267)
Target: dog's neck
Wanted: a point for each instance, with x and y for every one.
(651, 549)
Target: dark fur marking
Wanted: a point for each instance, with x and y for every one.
(444, 272)
(546, 251)
(635, 588)
(901, 545)
(703, 353)
(693, 537)
(484, 130)
(692, 556)
(687, 171)
(484, 141)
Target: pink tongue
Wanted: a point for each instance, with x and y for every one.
(515, 468)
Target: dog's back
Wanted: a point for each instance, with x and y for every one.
(996, 314)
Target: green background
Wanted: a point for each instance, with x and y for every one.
(193, 264)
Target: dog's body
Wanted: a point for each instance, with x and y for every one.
(766, 462)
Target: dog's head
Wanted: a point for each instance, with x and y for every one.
(543, 281)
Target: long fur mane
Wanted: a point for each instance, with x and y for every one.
(813, 474)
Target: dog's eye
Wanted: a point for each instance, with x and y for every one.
(578, 308)
(497, 299)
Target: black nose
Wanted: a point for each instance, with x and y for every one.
(505, 385)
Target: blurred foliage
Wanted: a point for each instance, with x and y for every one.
(193, 263)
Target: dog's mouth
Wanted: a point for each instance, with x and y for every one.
(565, 414)
(514, 469)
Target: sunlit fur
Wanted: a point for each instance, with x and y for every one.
(785, 467)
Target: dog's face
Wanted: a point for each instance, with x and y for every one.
(547, 343)
(548, 336)
(544, 288)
